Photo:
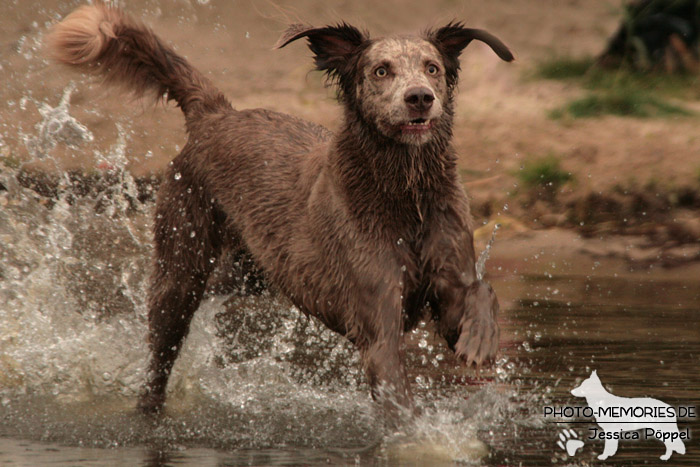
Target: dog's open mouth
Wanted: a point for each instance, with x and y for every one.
(417, 125)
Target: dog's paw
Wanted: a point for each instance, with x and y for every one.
(478, 341)
(568, 442)
(479, 331)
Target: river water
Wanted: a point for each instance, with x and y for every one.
(259, 384)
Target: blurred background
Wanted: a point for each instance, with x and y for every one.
(593, 127)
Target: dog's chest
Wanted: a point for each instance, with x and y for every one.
(410, 256)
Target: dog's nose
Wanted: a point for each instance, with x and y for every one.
(419, 99)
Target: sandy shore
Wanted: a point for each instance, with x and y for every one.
(501, 122)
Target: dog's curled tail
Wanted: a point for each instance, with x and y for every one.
(106, 41)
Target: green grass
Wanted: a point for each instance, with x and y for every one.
(624, 103)
(623, 92)
(562, 68)
(679, 85)
(589, 76)
(543, 172)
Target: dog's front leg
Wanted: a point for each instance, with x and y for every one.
(465, 311)
(386, 372)
(379, 336)
(609, 449)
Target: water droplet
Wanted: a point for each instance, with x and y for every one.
(481, 262)
(177, 176)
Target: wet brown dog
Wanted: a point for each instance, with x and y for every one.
(368, 230)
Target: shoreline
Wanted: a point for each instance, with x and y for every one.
(519, 248)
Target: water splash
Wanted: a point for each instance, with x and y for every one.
(57, 126)
(484, 256)
(254, 372)
(69, 305)
(73, 278)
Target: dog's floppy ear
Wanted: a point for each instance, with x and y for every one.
(453, 38)
(333, 46)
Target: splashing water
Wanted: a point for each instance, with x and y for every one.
(73, 334)
(57, 126)
(253, 372)
(484, 256)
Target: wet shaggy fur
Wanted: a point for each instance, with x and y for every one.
(368, 229)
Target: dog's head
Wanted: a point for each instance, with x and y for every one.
(402, 85)
(589, 386)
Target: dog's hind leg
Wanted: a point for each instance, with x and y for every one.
(187, 238)
(676, 445)
(667, 455)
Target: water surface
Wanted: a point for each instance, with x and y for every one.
(257, 383)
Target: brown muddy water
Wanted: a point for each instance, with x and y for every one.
(258, 384)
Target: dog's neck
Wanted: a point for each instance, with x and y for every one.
(391, 177)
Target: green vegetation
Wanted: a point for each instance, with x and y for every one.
(623, 91)
(562, 68)
(678, 85)
(625, 103)
(544, 172)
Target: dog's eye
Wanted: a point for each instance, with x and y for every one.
(432, 69)
(381, 72)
